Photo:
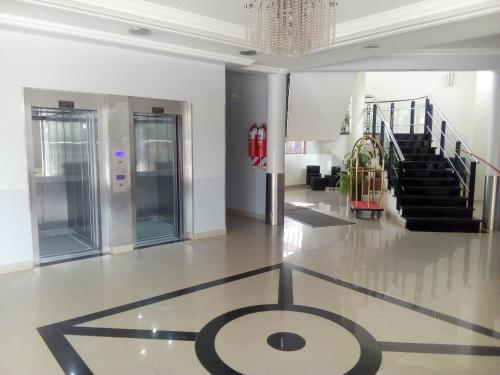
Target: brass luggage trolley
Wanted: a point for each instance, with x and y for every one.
(366, 171)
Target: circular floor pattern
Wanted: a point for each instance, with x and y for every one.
(368, 362)
(286, 341)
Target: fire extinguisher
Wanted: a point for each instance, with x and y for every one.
(262, 146)
(253, 151)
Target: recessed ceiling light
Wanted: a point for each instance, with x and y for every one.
(139, 31)
(372, 46)
(249, 52)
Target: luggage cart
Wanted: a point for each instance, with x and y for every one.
(366, 171)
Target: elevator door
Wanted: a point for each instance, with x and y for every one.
(156, 178)
(66, 182)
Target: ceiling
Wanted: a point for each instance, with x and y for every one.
(233, 10)
(213, 30)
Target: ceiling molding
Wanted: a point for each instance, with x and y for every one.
(450, 52)
(80, 33)
(399, 20)
(265, 69)
(412, 17)
(151, 14)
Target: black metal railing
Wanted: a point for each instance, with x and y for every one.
(377, 126)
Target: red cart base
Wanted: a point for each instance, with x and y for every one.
(372, 206)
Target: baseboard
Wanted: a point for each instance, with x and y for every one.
(211, 233)
(252, 215)
(115, 250)
(14, 267)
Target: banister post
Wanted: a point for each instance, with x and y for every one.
(426, 117)
(431, 117)
(392, 117)
(390, 166)
(443, 138)
(374, 119)
(412, 117)
(472, 184)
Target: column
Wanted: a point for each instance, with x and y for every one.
(493, 148)
(276, 123)
(358, 108)
(491, 204)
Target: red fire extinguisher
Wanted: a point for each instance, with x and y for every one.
(262, 146)
(253, 149)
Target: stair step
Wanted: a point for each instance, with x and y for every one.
(443, 224)
(412, 137)
(427, 173)
(446, 191)
(432, 201)
(418, 150)
(428, 181)
(413, 143)
(423, 211)
(423, 157)
(428, 164)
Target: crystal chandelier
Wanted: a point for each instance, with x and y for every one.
(290, 27)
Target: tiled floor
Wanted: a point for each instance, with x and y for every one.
(363, 297)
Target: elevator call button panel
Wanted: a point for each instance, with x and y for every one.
(120, 171)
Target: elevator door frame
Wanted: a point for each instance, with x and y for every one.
(180, 109)
(50, 99)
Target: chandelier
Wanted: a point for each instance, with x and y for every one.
(290, 27)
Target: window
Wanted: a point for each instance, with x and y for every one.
(295, 147)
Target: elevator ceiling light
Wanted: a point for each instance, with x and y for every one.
(139, 31)
(249, 52)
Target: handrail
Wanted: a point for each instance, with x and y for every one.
(450, 126)
(457, 173)
(388, 130)
(399, 100)
(497, 171)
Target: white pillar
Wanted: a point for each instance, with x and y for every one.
(276, 123)
(493, 148)
(358, 108)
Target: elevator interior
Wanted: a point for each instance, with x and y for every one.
(66, 179)
(156, 177)
(107, 173)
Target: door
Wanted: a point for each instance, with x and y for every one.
(157, 178)
(66, 184)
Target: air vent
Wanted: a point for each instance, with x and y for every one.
(158, 110)
(66, 104)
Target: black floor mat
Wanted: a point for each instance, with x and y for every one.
(313, 219)
(292, 207)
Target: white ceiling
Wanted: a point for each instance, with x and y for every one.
(234, 12)
(213, 29)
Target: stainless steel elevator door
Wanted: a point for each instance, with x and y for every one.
(66, 182)
(156, 178)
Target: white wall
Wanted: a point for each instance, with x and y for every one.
(246, 104)
(318, 102)
(49, 63)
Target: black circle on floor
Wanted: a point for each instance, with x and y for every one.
(368, 362)
(286, 341)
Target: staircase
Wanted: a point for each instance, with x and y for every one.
(430, 196)
(430, 168)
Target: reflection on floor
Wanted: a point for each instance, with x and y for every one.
(370, 296)
(153, 227)
(60, 244)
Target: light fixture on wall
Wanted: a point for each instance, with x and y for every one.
(139, 31)
(290, 27)
(451, 78)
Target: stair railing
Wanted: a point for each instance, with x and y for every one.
(450, 147)
(377, 126)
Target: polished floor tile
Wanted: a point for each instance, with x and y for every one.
(388, 300)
